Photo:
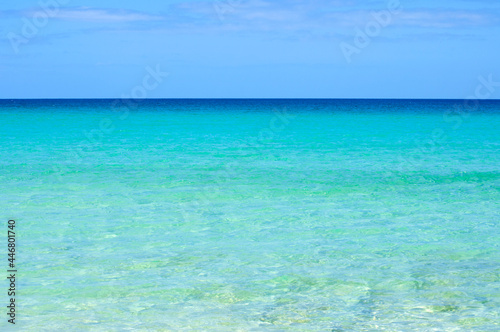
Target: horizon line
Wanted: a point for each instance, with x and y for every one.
(243, 98)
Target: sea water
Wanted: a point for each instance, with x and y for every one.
(252, 215)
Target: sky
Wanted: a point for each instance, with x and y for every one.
(249, 48)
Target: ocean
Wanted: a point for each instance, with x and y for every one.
(252, 215)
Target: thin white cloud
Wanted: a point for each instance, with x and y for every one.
(323, 14)
(284, 19)
(103, 15)
(445, 19)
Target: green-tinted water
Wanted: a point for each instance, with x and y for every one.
(253, 215)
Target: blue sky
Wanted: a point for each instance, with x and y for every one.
(248, 49)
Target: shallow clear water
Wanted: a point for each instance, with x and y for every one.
(253, 215)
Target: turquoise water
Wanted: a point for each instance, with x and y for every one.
(253, 215)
